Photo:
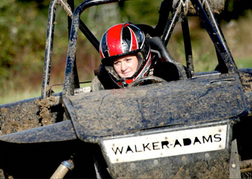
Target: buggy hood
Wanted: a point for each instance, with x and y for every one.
(183, 102)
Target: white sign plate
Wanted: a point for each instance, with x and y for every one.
(166, 144)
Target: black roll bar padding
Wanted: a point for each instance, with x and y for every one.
(216, 35)
(68, 86)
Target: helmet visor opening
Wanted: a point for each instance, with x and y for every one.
(109, 60)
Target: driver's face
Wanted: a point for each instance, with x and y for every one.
(126, 66)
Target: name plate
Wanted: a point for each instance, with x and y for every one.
(166, 144)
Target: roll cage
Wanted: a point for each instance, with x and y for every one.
(177, 8)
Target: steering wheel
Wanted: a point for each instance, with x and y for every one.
(146, 80)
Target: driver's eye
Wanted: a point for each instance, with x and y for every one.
(128, 59)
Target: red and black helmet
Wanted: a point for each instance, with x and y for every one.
(122, 40)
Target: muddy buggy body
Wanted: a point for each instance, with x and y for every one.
(193, 127)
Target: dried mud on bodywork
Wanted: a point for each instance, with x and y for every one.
(23, 116)
(45, 105)
(207, 169)
(246, 81)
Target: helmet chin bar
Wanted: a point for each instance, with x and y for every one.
(124, 82)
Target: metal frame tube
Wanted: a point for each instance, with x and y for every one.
(49, 42)
(215, 34)
(48, 48)
(187, 45)
(170, 26)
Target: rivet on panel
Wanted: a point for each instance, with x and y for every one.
(207, 155)
(184, 158)
(155, 162)
(132, 165)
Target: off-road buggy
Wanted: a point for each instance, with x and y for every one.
(197, 126)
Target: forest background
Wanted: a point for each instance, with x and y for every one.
(23, 26)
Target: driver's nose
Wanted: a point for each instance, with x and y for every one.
(123, 66)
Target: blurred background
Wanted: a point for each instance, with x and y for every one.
(23, 27)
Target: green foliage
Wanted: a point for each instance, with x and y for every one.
(141, 11)
(22, 42)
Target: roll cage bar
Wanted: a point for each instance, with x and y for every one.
(163, 29)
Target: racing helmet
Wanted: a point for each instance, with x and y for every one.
(122, 40)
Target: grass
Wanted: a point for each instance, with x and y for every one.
(244, 62)
(14, 95)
